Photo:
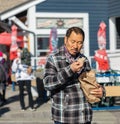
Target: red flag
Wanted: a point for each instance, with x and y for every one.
(14, 46)
(101, 54)
(101, 35)
(50, 43)
(102, 59)
(53, 40)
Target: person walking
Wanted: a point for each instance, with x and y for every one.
(23, 78)
(3, 77)
(69, 105)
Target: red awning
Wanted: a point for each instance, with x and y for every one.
(5, 38)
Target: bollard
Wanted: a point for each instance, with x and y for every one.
(13, 86)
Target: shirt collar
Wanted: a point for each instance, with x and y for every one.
(69, 56)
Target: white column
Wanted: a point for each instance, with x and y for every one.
(86, 30)
(31, 22)
(112, 34)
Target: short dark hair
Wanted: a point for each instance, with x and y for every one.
(77, 30)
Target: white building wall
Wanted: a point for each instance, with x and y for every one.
(114, 58)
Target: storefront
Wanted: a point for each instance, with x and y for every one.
(43, 15)
(44, 22)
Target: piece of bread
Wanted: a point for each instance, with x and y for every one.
(81, 60)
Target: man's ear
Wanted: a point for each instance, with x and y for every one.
(65, 40)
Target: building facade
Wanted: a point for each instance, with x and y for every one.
(62, 14)
(83, 13)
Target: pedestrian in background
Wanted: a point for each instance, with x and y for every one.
(69, 105)
(23, 78)
(3, 77)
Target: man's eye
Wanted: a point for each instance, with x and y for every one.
(72, 41)
(80, 43)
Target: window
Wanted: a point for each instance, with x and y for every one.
(61, 21)
(43, 45)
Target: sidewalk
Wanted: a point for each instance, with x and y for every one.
(10, 113)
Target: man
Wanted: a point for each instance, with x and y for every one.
(69, 105)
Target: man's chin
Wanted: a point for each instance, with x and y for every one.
(73, 53)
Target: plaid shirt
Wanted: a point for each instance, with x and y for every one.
(68, 101)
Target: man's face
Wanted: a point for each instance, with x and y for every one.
(74, 43)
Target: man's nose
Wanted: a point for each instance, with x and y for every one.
(75, 45)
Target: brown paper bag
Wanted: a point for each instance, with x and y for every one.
(87, 83)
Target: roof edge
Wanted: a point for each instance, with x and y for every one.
(18, 9)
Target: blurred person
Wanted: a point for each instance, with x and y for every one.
(3, 76)
(23, 78)
(69, 105)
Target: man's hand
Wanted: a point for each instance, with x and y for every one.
(97, 92)
(76, 66)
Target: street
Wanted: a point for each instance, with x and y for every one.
(10, 113)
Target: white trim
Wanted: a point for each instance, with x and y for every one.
(18, 22)
(31, 18)
(31, 25)
(86, 41)
(63, 31)
(62, 15)
(19, 9)
(112, 34)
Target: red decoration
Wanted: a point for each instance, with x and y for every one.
(102, 59)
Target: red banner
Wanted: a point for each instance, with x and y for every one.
(102, 59)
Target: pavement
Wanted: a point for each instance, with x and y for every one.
(10, 112)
